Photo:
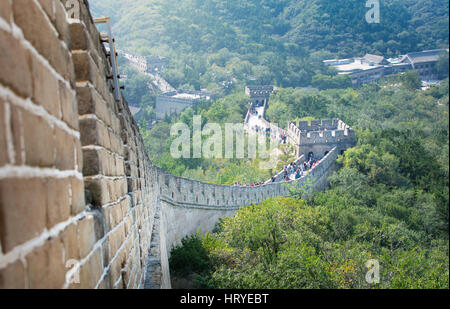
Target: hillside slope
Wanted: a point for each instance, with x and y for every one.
(215, 44)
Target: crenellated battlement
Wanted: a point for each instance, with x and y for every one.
(259, 91)
(191, 205)
(319, 136)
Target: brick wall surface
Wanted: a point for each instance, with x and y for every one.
(75, 205)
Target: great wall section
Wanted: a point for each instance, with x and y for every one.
(81, 205)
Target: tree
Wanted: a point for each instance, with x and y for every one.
(323, 82)
(442, 65)
(411, 80)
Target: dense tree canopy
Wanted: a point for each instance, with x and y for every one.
(219, 44)
(388, 201)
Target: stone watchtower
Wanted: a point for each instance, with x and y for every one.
(155, 64)
(319, 137)
(259, 95)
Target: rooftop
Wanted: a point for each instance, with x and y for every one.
(356, 66)
(187, 96)
(332, 62)
(374, 58)
(256, 91)
(424, 56)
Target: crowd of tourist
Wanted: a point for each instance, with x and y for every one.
(290, 172)
(283, 138)
(253, 112)
(294, 171)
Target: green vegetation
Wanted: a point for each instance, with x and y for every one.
(388, 201)
(392, 104)
(230, 109)
(325, 243)
(222, 45)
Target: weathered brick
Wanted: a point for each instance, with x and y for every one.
(5, 11)
(39, 140)
(45, 266)
(61, 24)
(79, 154)
(65, 150)
(116, 267)
(86, 70)
(101, 162)
(119, 166)
(125, 205)
(94, 132)
(13, 276)
(90, 102)
(105, 251)
(3, 146)
(17, 130)
(45, 87)
(99, 190)
(116, 145)
(14, 61)
(116, 238)
(48, 6)
(23, 204)
(115, 124)
(58, 206)
(114, 213)
(138, 279)
(88, 131)
(128, 225)
(70, 241)
(39, 32)
(91, 162)
(82, 65)
(78, 36)
(90, 272)
(86, 235)
(69, 106)
(85, 101)
(78, 199)
(117, 188)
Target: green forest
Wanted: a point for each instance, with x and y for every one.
(388, 201)
(223, 45)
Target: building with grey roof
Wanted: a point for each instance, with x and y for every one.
(424, 63)
(259, 95)
(371, 67)
(176, 101)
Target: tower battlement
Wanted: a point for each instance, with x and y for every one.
(259, 91)
(319, 136)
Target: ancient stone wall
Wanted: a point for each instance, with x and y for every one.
(189, 206)
(61, 132)
(81, 206)
(42, 211)
(167, 105)
(319, 137)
